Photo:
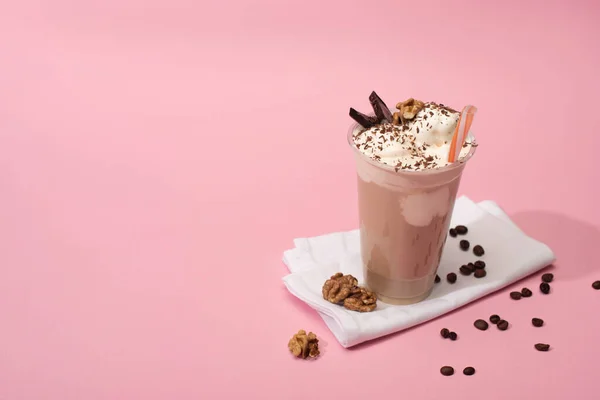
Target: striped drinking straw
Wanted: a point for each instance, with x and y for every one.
(461, 132)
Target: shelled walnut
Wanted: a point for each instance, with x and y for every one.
(363, 301)
(338, 287)
(408, 109)
(344, 290)
(304, 345)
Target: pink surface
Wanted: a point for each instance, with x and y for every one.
(145, 202)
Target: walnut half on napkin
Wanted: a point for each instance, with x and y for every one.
(344, 289)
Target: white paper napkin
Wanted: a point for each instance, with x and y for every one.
(509, 255)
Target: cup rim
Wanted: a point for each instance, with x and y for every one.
(449, 167)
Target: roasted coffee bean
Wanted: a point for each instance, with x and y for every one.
(466, 270)
(548, 277)
(445, 333)
(515, 295)
(461, 229)
(596, 285)
(447, 371)
(542, 347)
(544, 288)
(537, 322)
(478, 251)
(479, 264)
(453, 336)
(464, 244)
(480, 273)
(451, 277)
(494, 319)
(502, 325)
(525, 292)
(452, 232)
(481, 325)
(469, 371)
(437, 278)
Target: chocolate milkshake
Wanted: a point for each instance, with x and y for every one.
(406, 192)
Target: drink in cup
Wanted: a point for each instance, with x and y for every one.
(408, 179)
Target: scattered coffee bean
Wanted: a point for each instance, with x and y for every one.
(494, 319)
(481, 325)
(544, 288)
(542, 347)
(451, 277)
(537, 322)
(464, 244)
(453, 336)
(480, 273)
(596, 285)
(461, 229)
(515, 295)
(479, 264)
(452, 232)
(447, 371)
(466, 270)
(502, 325)
(469, 371)
(478, 251)
(547, 277)
(437, 278)
(445, 333)
(525, 292)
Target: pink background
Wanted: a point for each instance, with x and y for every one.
(157, 156)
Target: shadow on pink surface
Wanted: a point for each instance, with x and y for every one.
(574, 242)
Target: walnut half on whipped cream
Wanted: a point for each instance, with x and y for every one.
(408, 110)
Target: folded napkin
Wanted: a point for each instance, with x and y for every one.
(509, 256)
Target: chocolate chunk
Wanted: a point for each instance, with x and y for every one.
(451, 277)
(537, 322)
(466, 270)
(515, 295)
(542, 347)
(366, 121)
(525, 292)
(478, 251)
(544, 288)
(381, 110)
(445, 333)
(452, 232)
(494, 319)
(464, 245)
(480, 273)
(469, 371)
(502, 325)
(461, 229)
(437, 278)
(548, 277)
(481, 324)
(453, 336)
(447, 371)
(479, 264)
(596, 285)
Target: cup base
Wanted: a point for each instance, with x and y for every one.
(403, 301)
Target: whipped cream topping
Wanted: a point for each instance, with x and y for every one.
(420, 143)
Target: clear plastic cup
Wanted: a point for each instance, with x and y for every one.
(404, 221)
